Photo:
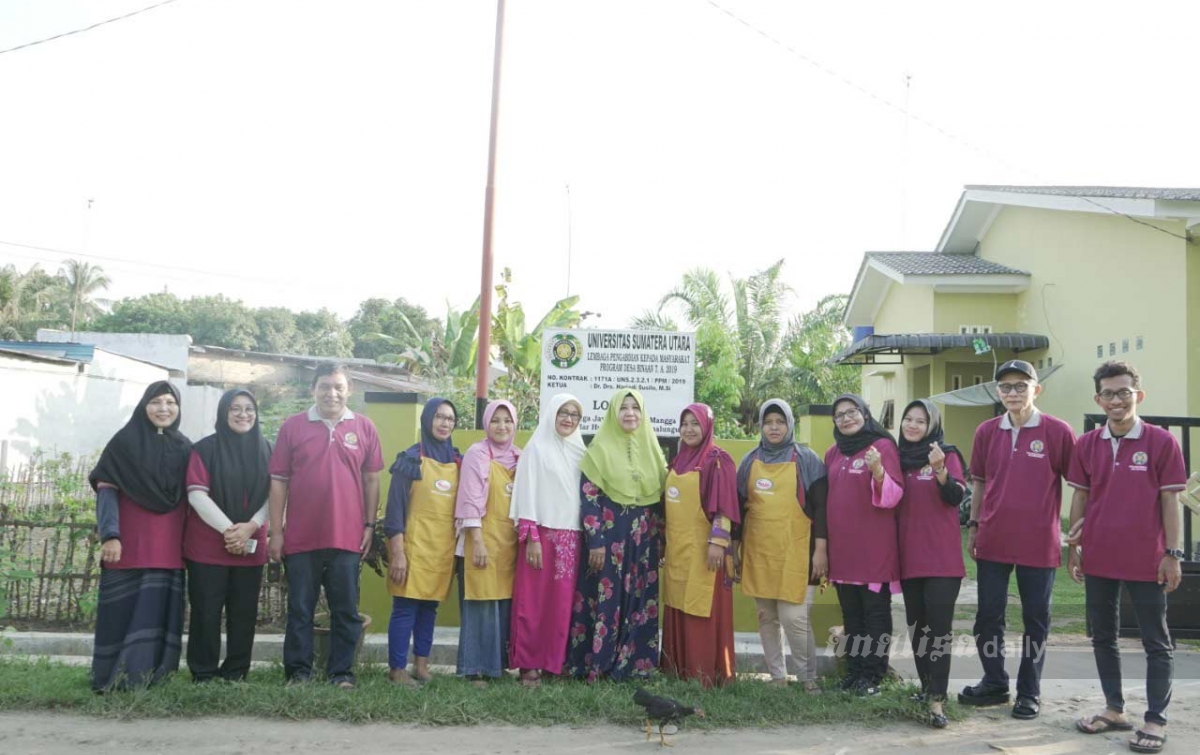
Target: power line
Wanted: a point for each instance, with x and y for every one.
(928, 124)
(88, 28)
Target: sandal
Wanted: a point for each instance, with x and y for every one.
(938, 720)
(1099, 724)
(1026, 708)
(1156, 742)
(531, 679)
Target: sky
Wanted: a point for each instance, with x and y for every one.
(314, 154)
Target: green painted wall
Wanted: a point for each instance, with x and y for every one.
(906, 309)
(1193, 330)
(952, 311)
(398, 429)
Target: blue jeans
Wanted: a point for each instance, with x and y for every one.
(337, 571)
(1035, 585)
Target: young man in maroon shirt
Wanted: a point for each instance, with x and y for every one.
(1017, 467)
(1125, 514)
(325, 473)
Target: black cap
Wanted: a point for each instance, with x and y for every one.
(1016, 365)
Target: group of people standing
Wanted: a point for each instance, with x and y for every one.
(568, 557)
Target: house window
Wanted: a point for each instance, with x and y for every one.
(955, 382)
(1139, 343)
(888, 418)
(1040, 363)
(1112, 348)
(1099, 352)
(986, 329)
(1049, 361)
(1125, 346)
(978, 380)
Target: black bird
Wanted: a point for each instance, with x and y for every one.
(664, 710)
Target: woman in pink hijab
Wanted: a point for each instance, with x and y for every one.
(487, 546)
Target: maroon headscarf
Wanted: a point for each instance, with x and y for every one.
(718, 473)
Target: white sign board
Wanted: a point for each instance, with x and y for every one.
(593, 364)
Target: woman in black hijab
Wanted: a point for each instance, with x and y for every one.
(225, 544)
(139, 484)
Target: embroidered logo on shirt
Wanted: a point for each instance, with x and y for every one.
(1139, 461)
(926, 473)
(351, 440)
(1035, 449)
(442, 485)
(858, 464)
(762, 483)
(672, 492)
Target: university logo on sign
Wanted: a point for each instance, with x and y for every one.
(1140, 458)
(565, 351)
(763, 483)
(1037, 446)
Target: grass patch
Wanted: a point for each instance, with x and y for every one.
(446, 701)
(1068, 613)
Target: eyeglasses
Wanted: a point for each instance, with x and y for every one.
(249, 411)
(846, 416)
(1018, 388)
(444, 418)
(573, 416)
(1124, 394)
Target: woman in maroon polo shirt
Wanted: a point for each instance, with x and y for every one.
(865, 486)
(225, 543)
(931, 563)
(139, 484)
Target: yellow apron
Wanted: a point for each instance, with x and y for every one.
(776, 533)
(494, 581)
(429, 533)
(687, 583)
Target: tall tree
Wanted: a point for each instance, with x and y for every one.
(407, 323)
(79, 282)
(749, 319)
(323, 334)
(813, 339)
(26, 302)
(277, 332)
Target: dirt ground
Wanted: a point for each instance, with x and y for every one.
(987, 731)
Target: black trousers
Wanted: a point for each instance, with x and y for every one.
(211, 590)
(1150, 608)
(867, 623)
(1035, 586)
(929, 611)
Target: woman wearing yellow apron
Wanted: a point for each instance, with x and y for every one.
(701, 505)
(782, 488)
(419, 524)
(487, 546)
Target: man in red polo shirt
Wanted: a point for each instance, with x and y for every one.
(1125, 513)
(325, 473)
(1017, 465)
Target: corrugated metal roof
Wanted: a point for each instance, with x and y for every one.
(932, 343)
(75, 352)
(1100, 192)
(933, 263)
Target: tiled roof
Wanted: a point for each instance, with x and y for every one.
(931, 263)
(1099, 192)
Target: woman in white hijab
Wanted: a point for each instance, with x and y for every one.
(545, 509)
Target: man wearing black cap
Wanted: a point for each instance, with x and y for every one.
(1017, 466)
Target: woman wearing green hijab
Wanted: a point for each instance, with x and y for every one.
(614, 623)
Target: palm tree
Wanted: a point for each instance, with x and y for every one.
(751, 320)
(813, 339)
(78, 281)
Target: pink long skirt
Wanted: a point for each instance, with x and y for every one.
(542, 598)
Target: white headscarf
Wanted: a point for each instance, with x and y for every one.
(546, 489)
